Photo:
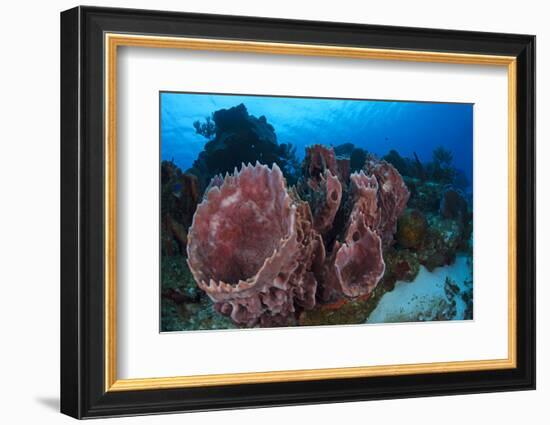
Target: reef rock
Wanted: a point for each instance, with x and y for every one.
(180, 196)
(401, 265)
(441, 242)
(252, 248)
(411, 229)
(453, 205)
(425, 195)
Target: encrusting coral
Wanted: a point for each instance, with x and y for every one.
(411, 229)
(264, 252)
(180, 196)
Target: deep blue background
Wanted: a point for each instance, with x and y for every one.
(374, 125)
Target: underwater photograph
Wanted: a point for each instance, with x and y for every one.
(281, 211)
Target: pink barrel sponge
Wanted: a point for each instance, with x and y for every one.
(252, 248)
(393, 196)
(357, 264)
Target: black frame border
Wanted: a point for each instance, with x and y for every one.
(82, 204)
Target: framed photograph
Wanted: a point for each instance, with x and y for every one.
(261, 212)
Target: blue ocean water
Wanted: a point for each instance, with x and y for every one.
(375, 125)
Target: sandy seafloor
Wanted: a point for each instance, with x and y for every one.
(444, 294)
(431, 296)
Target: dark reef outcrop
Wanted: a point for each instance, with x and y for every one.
(236, 137)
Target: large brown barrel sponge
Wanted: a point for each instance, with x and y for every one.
(326, 206)
(357, 265)
(393, 196)
(321, 186)
(318, 159)
(364, 195)
(252, 248)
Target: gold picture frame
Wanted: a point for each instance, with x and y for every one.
(91, 40)
(114, 41)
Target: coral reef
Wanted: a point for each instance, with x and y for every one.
(401, 265)
(441, 242)
(341, 237)
(439, 171)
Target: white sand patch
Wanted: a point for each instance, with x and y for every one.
(426, 298)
